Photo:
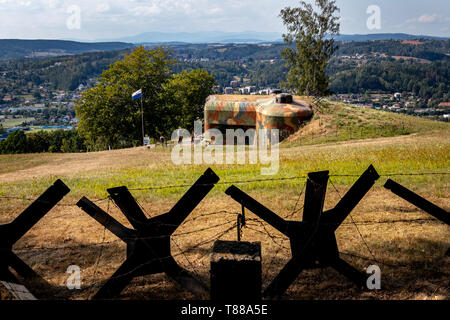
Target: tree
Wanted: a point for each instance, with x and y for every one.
(312, 33)
(185, 95)
(15, 143)
(107, 114)
(37, 95)
(109, 117)
(38, 141)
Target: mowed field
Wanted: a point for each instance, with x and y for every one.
(408, 245)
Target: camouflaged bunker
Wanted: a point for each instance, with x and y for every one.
(281, 112)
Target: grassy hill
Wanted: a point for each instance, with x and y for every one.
(342, 122)
(408, 245)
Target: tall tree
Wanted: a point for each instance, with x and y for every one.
(15, 143)
(185, 96)
(311, 45)
(107, 114)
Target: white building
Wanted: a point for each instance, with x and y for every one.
(228, 90)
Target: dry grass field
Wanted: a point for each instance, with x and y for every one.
(407, 244)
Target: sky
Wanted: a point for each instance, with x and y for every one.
(108, 19)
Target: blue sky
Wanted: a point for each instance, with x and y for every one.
(104, 19)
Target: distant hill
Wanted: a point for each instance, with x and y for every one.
(384, 36)
(253, 37)
(12, 48)
(204, 37)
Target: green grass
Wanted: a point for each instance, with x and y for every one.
(427, 151)
(341, 122)
(39, 128)
(11, 123)
(424, 154)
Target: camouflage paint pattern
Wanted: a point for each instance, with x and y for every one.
(261, 114)
(284, 117)
(229, 113)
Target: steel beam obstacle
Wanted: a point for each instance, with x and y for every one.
(14, 231)
(148, 243)
(419, 202)
(313, 240)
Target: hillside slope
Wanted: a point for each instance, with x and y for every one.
(343, 122)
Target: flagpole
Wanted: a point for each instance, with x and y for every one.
(138, 95)
(142, 118)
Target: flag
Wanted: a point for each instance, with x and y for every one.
(137, 94)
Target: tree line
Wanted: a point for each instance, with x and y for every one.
(43, 141)
(431, 80)
(62, 73)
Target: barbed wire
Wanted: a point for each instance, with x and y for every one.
(182, 253)
(280, 246)
(391, 265)
(223, 183)
(161, 259)
(283, 179)
(356, 226)
(48, 202)
(101, 247)
(218, 183)
(368, 222)
(81, 246)
(252, 224)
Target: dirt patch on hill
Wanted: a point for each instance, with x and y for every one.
(414, 42)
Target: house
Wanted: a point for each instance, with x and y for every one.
(444, 105)
(250, 89)
(395, 108)
(228, 90)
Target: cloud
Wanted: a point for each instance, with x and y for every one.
(146, 10)
(103, 7)
(427, 18)
(52, 3)
(102, 18)
(24, 3)
(213, 11)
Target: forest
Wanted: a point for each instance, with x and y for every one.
(373, 70)
(14, 48)
(57, 73)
